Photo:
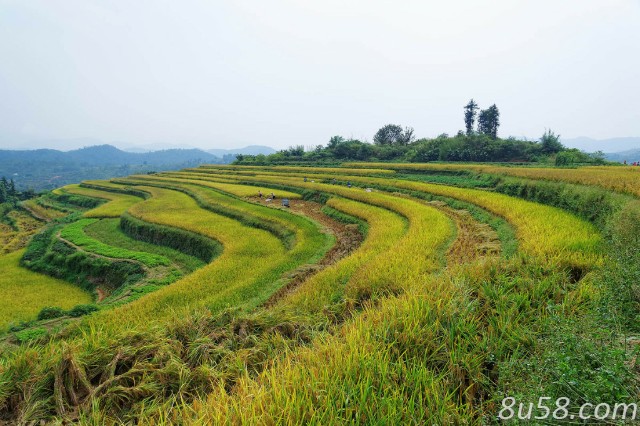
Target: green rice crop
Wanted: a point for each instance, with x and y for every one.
(74, 233)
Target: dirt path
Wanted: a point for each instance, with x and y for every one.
(101, 295)
(348, 239)
(474, 240)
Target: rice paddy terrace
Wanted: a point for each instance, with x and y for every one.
(367, 294)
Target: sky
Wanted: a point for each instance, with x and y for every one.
(226, 74)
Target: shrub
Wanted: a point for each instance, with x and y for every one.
(51, 312)
(80, 310)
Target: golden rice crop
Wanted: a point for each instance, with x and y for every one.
(386, 228)
(428, 230)
(244, 274)
(542, 230)
(304, 233)
(616, 178)
(15, 239)
(422, 353)
(114, 207)
(230, 188)
(310, 169)
(419, 356)
(24, 293)
(40, 211)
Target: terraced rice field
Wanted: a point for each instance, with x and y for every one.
(376, 297)
(619, 179)
(25, 293)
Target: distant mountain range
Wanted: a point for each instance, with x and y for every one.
(604, 145)
(630, 156)
(220, 153)
(615, 149)
(47, 168)
(248, 150)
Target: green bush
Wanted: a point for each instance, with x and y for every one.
(51, 312)
(81, 310)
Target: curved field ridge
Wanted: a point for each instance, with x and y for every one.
(24, 293)
(295, 231)
(428, 230)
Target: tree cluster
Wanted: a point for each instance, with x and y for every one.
(393, 134)
(9, 194)
(478, 143)
(7, 190)
(488, 119)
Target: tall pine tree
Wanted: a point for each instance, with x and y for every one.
(470, 115)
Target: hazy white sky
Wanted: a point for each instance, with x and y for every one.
(220, 74)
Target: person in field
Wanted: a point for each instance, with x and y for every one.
(259, 194)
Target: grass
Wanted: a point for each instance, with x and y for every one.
(24, 293)
(47, 254)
